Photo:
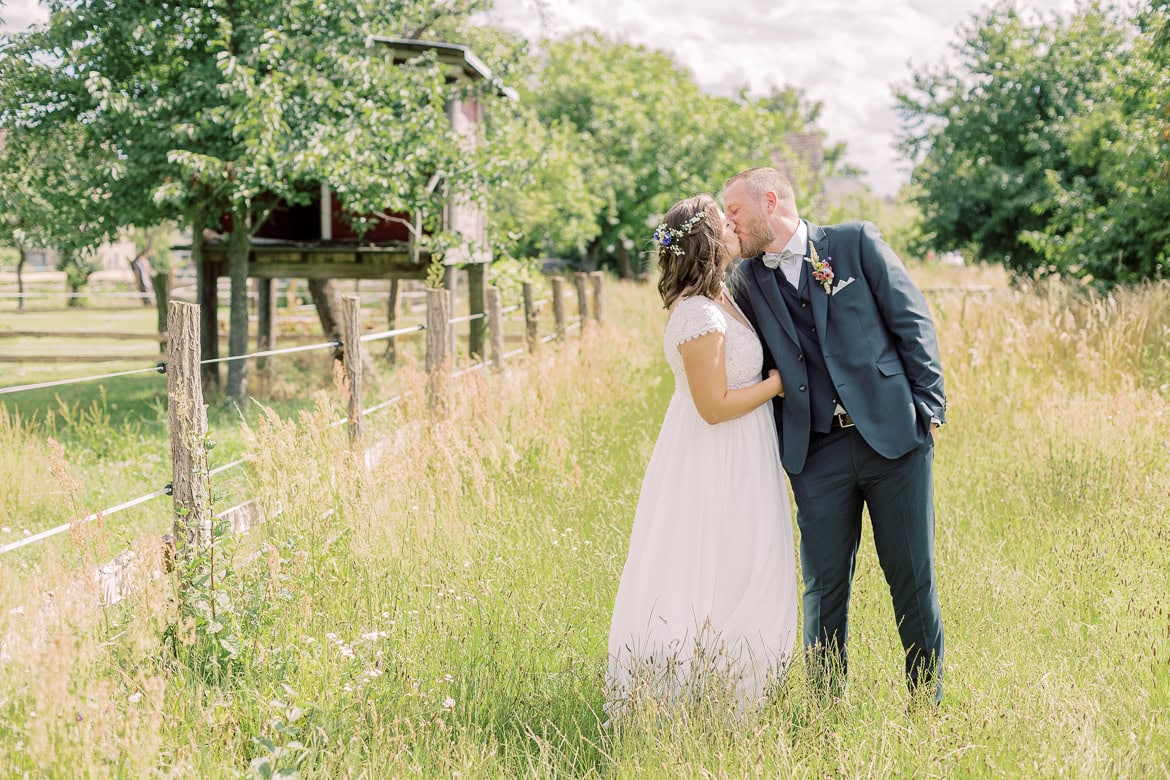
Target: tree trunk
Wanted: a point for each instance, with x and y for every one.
(328, 303)
(589, 262)
(239, 245)
(593, 254)
(623, 261)
(20, 279)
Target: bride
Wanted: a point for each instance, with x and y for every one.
(707, 600)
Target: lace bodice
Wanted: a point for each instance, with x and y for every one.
(698, 316)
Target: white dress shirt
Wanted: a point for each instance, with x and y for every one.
(797, 245)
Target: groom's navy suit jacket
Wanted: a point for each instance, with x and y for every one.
(875, 333)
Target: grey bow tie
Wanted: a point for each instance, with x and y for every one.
(774, 261)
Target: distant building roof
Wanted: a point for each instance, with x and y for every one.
(805, 148)
(451, 55)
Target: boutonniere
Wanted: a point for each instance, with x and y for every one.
(821, 270)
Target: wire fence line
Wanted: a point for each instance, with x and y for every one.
(33, 538)
(389, 334)
(356, 413)
(334, 344)
(158, 368)
(161, 366)
(81, 521)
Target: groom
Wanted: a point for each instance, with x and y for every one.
(863, 393)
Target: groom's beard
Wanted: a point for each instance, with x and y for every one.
(756, 240)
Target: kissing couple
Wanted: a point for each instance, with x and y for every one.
(815, 356)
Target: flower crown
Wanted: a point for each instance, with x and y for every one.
(668, 237)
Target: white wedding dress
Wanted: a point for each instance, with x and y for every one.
(708, 592)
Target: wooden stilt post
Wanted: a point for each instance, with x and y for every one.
(161, 282)
(351, 309)
(207, 296)
(266, 321)
(188, 416)
(477, 274)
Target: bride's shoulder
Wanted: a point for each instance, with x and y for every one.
(695, 315)
(692, 305)
(694, 301)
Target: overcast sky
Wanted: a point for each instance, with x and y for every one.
(848, 54)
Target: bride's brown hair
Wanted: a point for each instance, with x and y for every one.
(690, 248)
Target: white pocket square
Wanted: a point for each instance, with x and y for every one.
(843, 285)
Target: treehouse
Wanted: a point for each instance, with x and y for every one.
(315, 241)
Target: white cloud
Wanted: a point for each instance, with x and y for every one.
(20, 14)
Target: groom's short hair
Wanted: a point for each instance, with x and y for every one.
(760, 180)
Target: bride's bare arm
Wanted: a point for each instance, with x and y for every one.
(703, 359)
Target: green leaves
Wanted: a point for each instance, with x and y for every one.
(1040, 146)
(607, 135)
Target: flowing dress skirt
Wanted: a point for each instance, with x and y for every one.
(708, 592)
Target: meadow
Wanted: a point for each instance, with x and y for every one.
(445, 614)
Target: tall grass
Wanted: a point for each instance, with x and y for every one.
(445, 614)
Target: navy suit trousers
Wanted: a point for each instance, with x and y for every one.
(842, 474)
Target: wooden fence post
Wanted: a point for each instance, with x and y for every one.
(265, 321)
(392, 321)
(438, 343)
(189, 488)
(453, 342)
(495, 324)
(530, 333)
(598, 278)
(558, 302)
(351, 321)
(580, 279)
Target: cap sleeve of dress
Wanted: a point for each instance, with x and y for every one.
(695, 317)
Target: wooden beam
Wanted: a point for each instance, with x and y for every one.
(80, 358)
(333, 271)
